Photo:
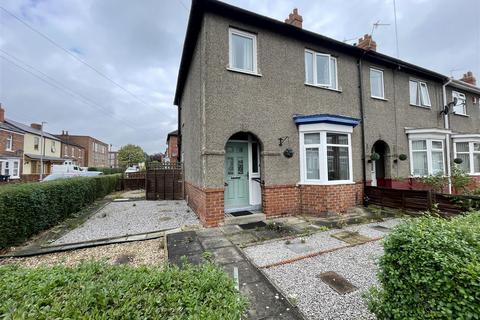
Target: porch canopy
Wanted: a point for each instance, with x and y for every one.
(45, 158)
(326, 118)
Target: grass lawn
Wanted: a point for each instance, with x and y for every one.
(96, 290)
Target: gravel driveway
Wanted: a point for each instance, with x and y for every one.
(300, 280)
(132, 217)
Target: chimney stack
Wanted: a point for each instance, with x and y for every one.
(37, 126)
(2, 114)
(367, 43)
(295, 19)
(469, 78)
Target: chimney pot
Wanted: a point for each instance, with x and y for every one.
(469, 78)
(2, 114)
(295, 19)
(367, 43)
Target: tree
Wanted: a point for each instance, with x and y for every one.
(130, 154)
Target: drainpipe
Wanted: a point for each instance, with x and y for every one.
(447, 142)
(362, 116)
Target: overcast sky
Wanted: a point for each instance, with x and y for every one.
(137, 44)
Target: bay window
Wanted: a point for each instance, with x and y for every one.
(427, 157)
(469, 152)
(321, 70)
(325, 154)
(10, 167)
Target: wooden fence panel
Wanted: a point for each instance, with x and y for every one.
(164, 182)
(419, 200)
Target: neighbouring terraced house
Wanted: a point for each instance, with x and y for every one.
(11, 149)
(283, 120)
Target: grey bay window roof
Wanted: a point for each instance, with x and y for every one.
(201, 7)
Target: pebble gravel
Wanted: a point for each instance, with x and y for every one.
(300, 282)
(132, 217)
(276, 251)
(149, 252)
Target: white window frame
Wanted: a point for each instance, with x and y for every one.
(323, 129)
(429, 141)
(233, 31)
(10, 165)
(420, 102)
(460, 96)
(9, 143)
(36, 143)
(383, 83)
(471, 152)
(53, 148)
(331, 59)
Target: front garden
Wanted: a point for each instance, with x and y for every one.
(96, 290)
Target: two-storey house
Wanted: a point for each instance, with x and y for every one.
(40, 150)
(95, 151)
(11, 149)
(72, 151)
(172, 147)
(279, 119)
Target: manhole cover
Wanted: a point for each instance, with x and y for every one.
(350, 237)
(337, 282)
(253, 225)
(124, 259)
(381, 228)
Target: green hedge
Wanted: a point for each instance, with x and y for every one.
(106, 170)
(430, 270)
(96, 290)
(26, 209)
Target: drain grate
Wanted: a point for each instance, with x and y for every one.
(253, 225)
(337, 282)
(381, 228)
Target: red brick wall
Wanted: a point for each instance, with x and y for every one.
(310, 199)
(172, 150)
(280, 200)
(17, 143)
(206, 203)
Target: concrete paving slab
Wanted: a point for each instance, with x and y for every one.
(242, 238)
(264, 301)
(246, 272)
(211, 232)
(227, 255)
(230, 229)
(214, 242)
(195, 258)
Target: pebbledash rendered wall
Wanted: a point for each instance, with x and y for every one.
(217, 103)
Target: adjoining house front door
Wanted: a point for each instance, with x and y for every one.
(236, 175)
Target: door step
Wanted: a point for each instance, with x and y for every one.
(255, 217)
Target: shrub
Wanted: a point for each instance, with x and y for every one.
(430, 270)
(26, 209)
(95, 290)
(106, 170)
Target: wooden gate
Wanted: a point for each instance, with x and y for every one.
(164, 181)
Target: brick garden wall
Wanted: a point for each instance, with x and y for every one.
(206, 203)
(280, 200)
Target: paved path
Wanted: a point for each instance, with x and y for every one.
(266, 302)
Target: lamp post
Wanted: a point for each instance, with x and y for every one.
(42, 150)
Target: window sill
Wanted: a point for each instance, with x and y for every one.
(379, 98)
(244, 72)
(421, 107)
(462, 115)
(322, 87)
(327, 183)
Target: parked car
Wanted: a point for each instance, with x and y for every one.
(91, 173)
(132, 169)
(61, 175)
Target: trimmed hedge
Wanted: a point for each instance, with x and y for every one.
(26, 209)
(430, 270)
(106, 170)
(95, 290)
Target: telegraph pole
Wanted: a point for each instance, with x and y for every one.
(42, 150)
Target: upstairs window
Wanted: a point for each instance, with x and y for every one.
(53, 147)
(9, 143)
(377, 89)
(419, 94)
(321, 70)
(243, 51)
(36, 143)
(461, 106)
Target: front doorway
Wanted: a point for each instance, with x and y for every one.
(242, 173)
(379, 167)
